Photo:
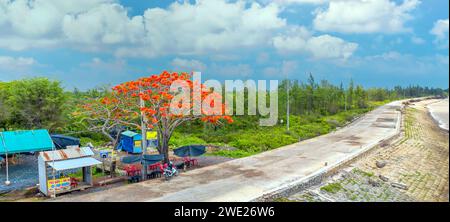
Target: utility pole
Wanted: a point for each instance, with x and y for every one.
(143, 137)
(7, 182)
(287, 105)
(345, 100)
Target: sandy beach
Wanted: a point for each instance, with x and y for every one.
(439, 111)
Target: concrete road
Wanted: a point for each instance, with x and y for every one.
(249, 178)
(439, 111)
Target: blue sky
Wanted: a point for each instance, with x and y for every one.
(88, 43)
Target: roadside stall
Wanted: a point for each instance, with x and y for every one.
(58, 170)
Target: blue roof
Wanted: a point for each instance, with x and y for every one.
(129, 133)
(25, 141)
(74, 163)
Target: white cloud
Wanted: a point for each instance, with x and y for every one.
(206, 26)
(300, 1)
(440, 31)
(364, 16)
(238, 70)
(288, 2)
(417, 40)
(284, 70)
(105, 24)
(38, 23)
(187, 65)
(262, 58)
(271, 71)
(299, 40)
(216, 27)
(8, 61)
(182, 28)
(288, 67)
(96, 63)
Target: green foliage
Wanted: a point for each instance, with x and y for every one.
(234, 153)
(332, 187)
(181, 139)
(96, 141)
(32, 103)
(316, 108)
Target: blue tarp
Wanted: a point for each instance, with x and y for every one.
(131, 159)
(149, 159)
(192, 150)
(25, 141)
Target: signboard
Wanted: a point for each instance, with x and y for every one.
(137, 143)
(59, 184)
(152, 143)
(152, 135)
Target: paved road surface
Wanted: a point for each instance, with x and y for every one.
(439, 111)
(248, 178)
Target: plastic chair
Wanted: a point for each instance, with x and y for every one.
(73, 182)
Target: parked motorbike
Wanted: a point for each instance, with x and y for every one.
(170, 171)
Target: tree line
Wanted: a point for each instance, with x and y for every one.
(324, 98)
(43, 103)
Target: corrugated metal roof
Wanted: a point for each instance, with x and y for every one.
(25, 141)
(74, 163)
(69, 153)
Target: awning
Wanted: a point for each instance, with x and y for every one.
(73, 163)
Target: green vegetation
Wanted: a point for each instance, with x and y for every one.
(332, 187)
(96, 173)
(32, 103)
(316, 108)
(363, 173)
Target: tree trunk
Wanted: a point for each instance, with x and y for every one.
(163, 145)
(165, 148)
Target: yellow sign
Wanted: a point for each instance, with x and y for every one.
(152, 135)
(137, 143)
(59, 184)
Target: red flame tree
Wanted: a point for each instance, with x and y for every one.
(153, 102)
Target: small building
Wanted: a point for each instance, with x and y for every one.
(62, 142)
(130, 142)
(56, 167)
(25, 141)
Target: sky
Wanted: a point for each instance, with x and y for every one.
(90, 43)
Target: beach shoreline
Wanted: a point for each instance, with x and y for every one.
(440, 112)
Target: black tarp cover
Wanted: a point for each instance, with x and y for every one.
(62, 141)
(149, 159)
(192, 150)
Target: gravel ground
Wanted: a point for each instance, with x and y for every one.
(22, 175)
